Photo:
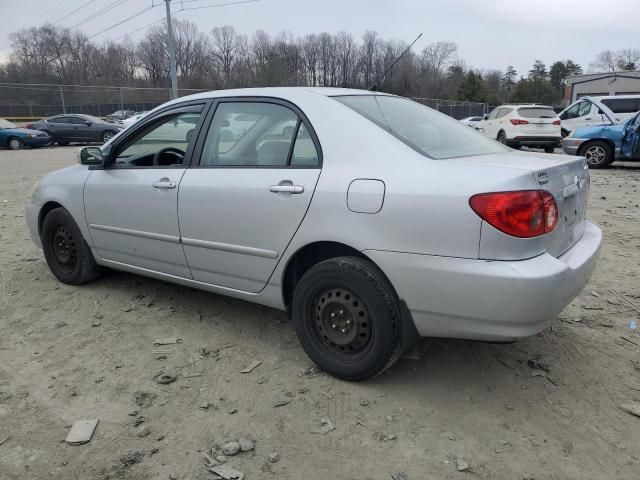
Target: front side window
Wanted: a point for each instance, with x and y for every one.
(572, 111)
(585, 109)
(79, 121)
(494, 114)
(427, 131)
(161, 144)
(245, 134)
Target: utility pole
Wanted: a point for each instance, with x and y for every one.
(64, 109)
(172, 53)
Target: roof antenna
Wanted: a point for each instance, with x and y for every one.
(374, 87)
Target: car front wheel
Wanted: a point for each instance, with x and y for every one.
(15, 143)
(347, 318)
(598, 154)
(108, 135)
(65, 250)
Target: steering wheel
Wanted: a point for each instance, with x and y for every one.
(172, 150)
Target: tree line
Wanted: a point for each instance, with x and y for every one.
(224, 58)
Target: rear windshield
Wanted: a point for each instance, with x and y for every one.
(622, 105)
(424, 129)
(529, 112)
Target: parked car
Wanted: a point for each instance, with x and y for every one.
(606, 143)
(409, 224)
(65, 129)
(583, 113)
(15, 138)
(471, 121)
(516, 126)
(120, 115)
(127, 122)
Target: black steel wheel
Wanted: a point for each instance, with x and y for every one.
(347, 318)
(67, 254)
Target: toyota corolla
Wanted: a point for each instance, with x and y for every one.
(375, 220)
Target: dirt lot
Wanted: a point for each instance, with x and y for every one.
(69, 353)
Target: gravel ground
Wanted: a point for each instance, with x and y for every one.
(69, 353)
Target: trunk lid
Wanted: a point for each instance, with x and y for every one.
(567, 179)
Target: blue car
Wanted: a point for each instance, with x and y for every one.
(602, 145)
(15, 138)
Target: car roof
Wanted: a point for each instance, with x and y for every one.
(607, 97)
(529, 105)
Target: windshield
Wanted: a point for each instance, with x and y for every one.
(427, 131)
(532, 112)
(6, 124)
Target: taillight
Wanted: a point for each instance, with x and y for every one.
(557, 122)
(29, 125)
(518, 121)
(523, 214)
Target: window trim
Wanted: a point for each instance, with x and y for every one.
(200, 106)
(196, 155)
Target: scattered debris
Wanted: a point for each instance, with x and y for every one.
(310, 372)
(632, 408)
(364, 402)
(633, 326)
(160, 438)
(173, 476)
(249, 368)
(383, 436)
(4, 440)
(629, 340)
(246, 444)
(226, 472)
(326, 425)
(167, 341)
(205, 405)
(81, 432)
(232, 411)
(399, 476)
(595, 294)
(165, 378)
(138, 421)
(281, 403)
(143, 431)
(274, 457)
(96, 324)
(192, 375)
(503, 447)
(231, 448)
(625, 300)
(538, 373)
(131, 458)
(538, 364)
(143, 399)
(221, 459)
(462, 465)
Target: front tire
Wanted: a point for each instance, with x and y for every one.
(15, 143)
(598, 154)
(549, 149)
(67, 253)
(108, 135)
(347, 318)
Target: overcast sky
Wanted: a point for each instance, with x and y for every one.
(489, 35)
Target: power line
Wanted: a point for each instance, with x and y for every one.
(218, 5)
(99, 13)
(74, 11)
(123, 21)
(141, 28)
(64, 11)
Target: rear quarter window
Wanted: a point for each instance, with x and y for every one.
(622, 105)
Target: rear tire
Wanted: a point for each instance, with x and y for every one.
(549, 149)
(67, 253)
(15, 143)
(598, 154)
(347, 317)
(62, 144)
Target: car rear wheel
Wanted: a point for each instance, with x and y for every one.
(347, 318)
(65, 250)
(62, 144)
(598, 154)
(15, 143)
(51, 139)
(549, 149)
(108, 135)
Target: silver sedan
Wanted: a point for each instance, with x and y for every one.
(372, 220)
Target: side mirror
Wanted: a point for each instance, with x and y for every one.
(91, 156)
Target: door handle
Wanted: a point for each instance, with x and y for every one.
(589, 118)
(163, 184)
(296, 189)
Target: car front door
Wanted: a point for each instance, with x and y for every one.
(240, 206)
(631, 139)
(579, 115)
(81, 129)
(62, 128)
(131, 205)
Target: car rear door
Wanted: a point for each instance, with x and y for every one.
(62, 128)
(131, 205)
(241, 203)
(80, 130)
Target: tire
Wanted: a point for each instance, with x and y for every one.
(598, 154)
(67, 253)
(62, 144)
(549, 149)
(108, 135)
(502, 137)
(564, 133)
(14, 143)
(366, 337)
(52, 141)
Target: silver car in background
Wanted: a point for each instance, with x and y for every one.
(377, 220)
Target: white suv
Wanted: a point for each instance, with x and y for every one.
(583, 113)
(518, 126)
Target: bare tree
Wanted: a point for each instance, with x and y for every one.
(605, 61)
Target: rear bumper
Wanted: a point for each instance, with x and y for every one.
(571, 145)
(533, 141)
(489, 300)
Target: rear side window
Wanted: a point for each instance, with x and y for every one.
(60, 120)
(78, 121)
(527, 112)
(622, 105)
(429, 132)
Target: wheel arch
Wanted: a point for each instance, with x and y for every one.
(591, 140)
(44, 211)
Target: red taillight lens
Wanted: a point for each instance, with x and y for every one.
(29, 125)
(523, 214)
(517, 121)
(557, 122)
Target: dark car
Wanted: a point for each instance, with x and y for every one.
(15, 138)
(65, 129)
(120, 115)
